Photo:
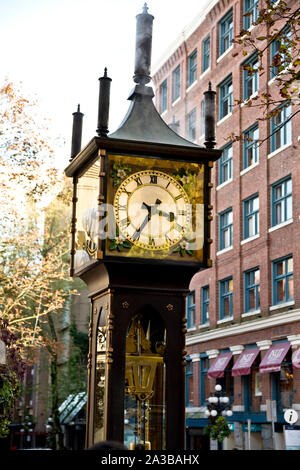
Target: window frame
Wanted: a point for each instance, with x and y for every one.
(192, 124)
(189, 373)
(249, 213)
(225, 32)
(206, 53)
(284, 127)
(192, 67)
(163, 93)
(224, 227)
(224, 294)
(275, 49)
(253, 76)
(252, 13)
(225, 97)
(191, 310)
(176, 83)
(278, 278)
(226, 161)
(205, 305)
(282, 199)
(250, 142)
(251, 285)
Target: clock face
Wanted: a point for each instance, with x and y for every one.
(152, 210)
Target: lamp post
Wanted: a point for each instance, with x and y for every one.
(49, 430)
(218, 405)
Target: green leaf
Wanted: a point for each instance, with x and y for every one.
(113, 246)
(127, 244)
(190, 252)
(120, 247)
(182, 252)
(176, 249)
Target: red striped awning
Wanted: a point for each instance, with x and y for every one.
(220, 363)
(274, 357)
(245, 361)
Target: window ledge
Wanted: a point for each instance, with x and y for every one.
(249, 168)
(249, 239)
(204, 73)
(224, 250)
(204, 325)
(279, 150)
(224, 320)
(191, 86)
(224, 118)
(176, 101)
(278, 226)
(163, 113)
(201, 137)
(252, 312)
(246, 101)
(282, 305)
(193, 328)
(223, 184)
(224, 53)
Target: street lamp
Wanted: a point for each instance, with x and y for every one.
(218, 404)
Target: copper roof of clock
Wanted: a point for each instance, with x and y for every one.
(143, 122)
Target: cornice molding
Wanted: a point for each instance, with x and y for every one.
(255, 325)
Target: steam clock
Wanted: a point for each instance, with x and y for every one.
(140, 231)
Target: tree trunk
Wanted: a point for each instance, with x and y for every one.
(56, 440)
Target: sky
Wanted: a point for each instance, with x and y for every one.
(58, 50)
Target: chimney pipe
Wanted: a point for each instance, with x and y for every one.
(210, 117)
(103, 107)
(143, 47)
(76, 133)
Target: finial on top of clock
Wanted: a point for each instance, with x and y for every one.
(76, 133)
(143, 47)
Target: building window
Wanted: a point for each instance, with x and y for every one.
(189, 383)
(225, 97)
(281, 128)
(204, 383)
(250, 147)
(176, 83)
(163, 92)
(225, 165)
(250, 77)
(205, 305)
(226, 32)
(251, 216)
(191, 124)
(191, 310)
(192, 67)
(283, 284)
(206, 54)
(282, 201)
(252, 290)
(280, 52)
(226, 289)
(226, 229)
(250, 12)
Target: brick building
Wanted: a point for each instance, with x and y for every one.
(247, 305)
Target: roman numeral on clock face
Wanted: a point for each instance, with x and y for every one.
(153, 179)
(124, 223)
(138, 181)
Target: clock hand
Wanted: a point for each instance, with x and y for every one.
(137, 233)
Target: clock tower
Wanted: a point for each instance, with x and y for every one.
(140, 231)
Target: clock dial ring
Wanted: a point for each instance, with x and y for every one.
(152, 210)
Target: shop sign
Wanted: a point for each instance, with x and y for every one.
(292, 437)
(253, 428)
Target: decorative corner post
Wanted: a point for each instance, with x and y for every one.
(210, 117)
(103, 108)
